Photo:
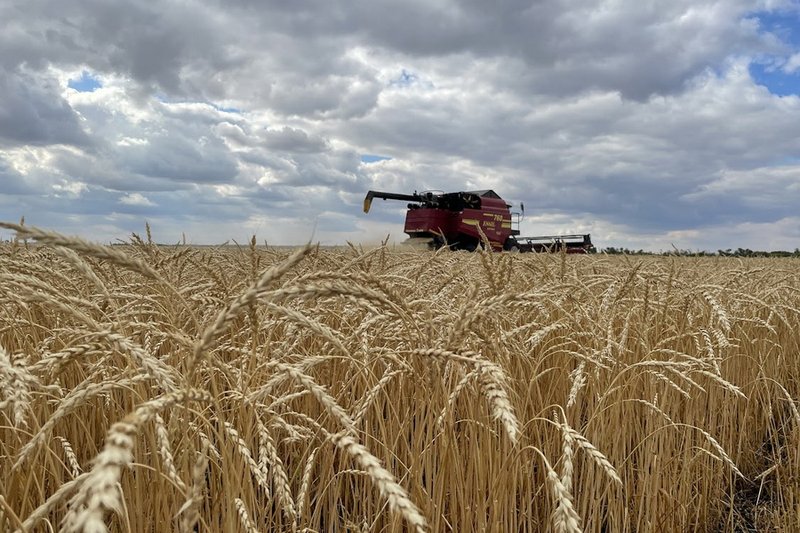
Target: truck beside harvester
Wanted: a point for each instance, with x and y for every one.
(461, 220)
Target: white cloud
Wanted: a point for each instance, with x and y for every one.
(792, 64)
(136, 198)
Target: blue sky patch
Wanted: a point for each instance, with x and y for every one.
(785, 24)
(85, 84)
(226, 109)
(165, 99)
(768, 71)
(369, 158)
(405, 79)
(776, 80)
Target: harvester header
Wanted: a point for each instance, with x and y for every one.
(457, 219)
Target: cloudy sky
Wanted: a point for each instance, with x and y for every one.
(646, 123)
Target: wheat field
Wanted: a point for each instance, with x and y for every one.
(385, 389)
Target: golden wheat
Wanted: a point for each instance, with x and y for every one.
(248, 388)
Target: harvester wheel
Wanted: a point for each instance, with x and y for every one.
(470, 245)
(511, 245)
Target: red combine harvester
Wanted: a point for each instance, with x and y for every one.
(453, 219)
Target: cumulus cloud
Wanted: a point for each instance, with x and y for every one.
(640, 122)
(792, 64)
(136, 198)
(293, 140)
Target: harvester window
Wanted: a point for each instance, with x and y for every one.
(472, 201)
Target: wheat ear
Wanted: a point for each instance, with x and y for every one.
(100, 492)
(398, 499)
(79, 245)
(240, 304)
(190, 513)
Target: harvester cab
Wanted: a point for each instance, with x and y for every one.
(461, 220)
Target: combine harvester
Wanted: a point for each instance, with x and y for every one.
(454, 218)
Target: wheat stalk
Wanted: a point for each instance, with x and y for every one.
(190, 512)
(99, 493)
(396, 496)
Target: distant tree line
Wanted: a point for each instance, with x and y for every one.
(738, 252)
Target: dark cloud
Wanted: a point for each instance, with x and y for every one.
(563, 46)
(13, 183)
(300, 50)
(327, 97)
(150, 42)
(33, 112)
(294, 140)
(178, 158)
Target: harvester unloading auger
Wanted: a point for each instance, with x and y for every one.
(453, 219)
